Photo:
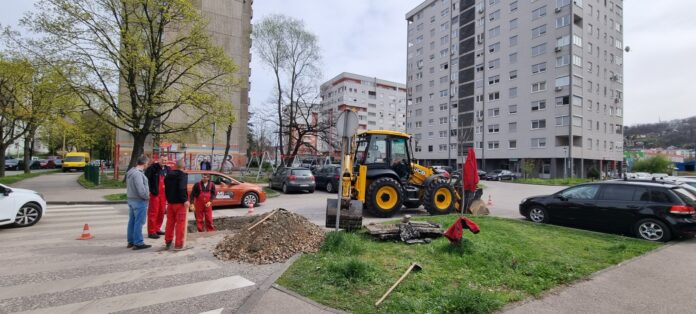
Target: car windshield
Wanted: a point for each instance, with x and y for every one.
(302, 172)
(75, 159)
(585, 192)
(497, 171)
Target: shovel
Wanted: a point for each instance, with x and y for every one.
(413, 266)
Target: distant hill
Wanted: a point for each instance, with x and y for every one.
(679, 133)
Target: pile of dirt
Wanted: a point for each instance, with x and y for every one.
(277, 239)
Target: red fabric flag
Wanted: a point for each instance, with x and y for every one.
(471, 178)
(454, 232)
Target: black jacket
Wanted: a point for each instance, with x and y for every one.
(207, 163)
(197, 190)
(175, 187)
(153, 173)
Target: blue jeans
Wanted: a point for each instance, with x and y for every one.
(137, 211)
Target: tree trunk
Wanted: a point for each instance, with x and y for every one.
(228, 133)
(3, 148)
(280, 113)
(27, 154)
(138, 148)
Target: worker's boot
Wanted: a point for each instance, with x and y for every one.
(168, 245)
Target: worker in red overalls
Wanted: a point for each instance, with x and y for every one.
(202, 197)
(158, 201)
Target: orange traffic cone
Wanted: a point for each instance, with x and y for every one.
(251, 209)
(490, 200)
(85, 233)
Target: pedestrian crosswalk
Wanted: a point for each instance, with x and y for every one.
(48, 271)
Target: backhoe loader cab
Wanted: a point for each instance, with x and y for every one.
(385, 154)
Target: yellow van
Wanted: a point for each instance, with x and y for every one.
(75, 160)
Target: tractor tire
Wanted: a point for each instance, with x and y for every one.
(384, 198)
(439, 198)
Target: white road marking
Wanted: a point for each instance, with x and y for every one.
(102, 279)
(79, 210)
(217, 311)
(147, 298)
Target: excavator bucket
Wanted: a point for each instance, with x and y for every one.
(351, 214)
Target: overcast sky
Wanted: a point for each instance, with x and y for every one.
(369, 37)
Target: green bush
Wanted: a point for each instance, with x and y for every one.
(657, 164)
(343, 243)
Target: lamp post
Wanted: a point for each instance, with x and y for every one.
(565, 162)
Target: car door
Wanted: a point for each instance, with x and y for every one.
(574, 204)
(320, 176)
(618, 205)
(8, 206)
(278, 177)
(224, 195)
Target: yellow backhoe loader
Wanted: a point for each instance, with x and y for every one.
(378, 175)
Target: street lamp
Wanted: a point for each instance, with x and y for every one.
(565, 162)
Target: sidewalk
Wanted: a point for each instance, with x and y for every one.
(660, 282)
(63, 188)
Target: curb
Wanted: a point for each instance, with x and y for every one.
(592, 276)
(86, 203)
(306, 300)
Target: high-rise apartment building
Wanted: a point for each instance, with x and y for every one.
(380, 104)
(229, 27)
(538, 81)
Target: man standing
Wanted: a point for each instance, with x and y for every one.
(175, 189)
(202, 196)
(137, 192)
(158, 202)
(205, 164)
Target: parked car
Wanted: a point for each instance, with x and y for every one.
(500, 174)
(58, 163)
(34, 164)
(291, 179)
(327, 178)
(20, 207)
(228, 191)
(11, 164)
(654, 211)
(482, 174)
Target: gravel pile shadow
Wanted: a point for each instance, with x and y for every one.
(275, 240)
(234, 223)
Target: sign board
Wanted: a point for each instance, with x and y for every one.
(347, 124)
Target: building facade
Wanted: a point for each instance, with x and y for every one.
(537, 82)
(379, 104)
(229, 27)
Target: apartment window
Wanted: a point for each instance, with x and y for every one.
(494, 80)
(444, 52)
(538, 13)
(562, 121)
(589, 143)
(512, 109)
(431, 108)
(538, 31)
(589, 126)
(443, 133)
(444, 93)
(513, 74)
(443, 66)
(512, 144)
(479, 145)
(493, 112)
(562, 60)
(494, 128)
(443, 120)
(562, 100)
(589, 48)
(577, 40)
(538, 124)
(494, 47)
(444, 79)
(442, 147)
(513, 41)
(563, 41)
(493, 144)
(431, 122)
(539, 68)
(539, 142)
(419, 112)
(419, 124)
(562, 21)
(478, 129)
(577, 60)
(539, 50)
(512, 127)
(618, 44)
(589, 66)
(577, 101)
(479, 98)
(494, 64)
(494, 16)
(513, 24)
(513, 58)
(479, 68)
(494, 32)
(539, 86)
(430, 148)
(538, 105)
(444, 12)
(577, 121)
(562, 3)
(443, 107)
(444, 26)
(512, 92)
(494, 96)
(563, 81)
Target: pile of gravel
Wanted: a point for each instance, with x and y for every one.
(275, 240)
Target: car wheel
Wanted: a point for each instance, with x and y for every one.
(28, 215)
(653, 230)
(538, 215)
(250, 198)
(285, 188)
(311, 191)
(329, 187)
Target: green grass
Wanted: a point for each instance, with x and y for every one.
(116, 197)
(510, 260)
(9, 180)
(106, 183)
(270, 192)
(566, 181)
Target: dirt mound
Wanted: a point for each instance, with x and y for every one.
(277, 239)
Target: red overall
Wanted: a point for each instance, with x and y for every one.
(203, 213)
(155, 212)
(176, 224)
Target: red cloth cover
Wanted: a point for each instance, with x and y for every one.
(454, 232)
(471, 178)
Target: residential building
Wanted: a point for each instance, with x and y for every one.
(380, 104)
(229, 26)
(537, 80)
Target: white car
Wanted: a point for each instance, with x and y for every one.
(20, 207)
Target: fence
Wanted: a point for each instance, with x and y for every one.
(92, 174)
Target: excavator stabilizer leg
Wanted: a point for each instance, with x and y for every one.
(351, 214)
